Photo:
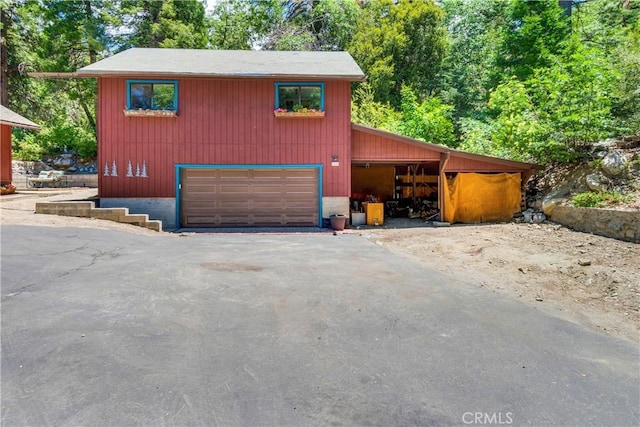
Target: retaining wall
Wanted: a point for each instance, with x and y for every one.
(88, 210)
(621, 225)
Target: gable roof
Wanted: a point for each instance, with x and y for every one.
(8, 117)
(443, 149)
(227, 64)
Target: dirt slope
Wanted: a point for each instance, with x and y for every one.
(585, 278)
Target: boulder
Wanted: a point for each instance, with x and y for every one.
(600, 149)
(550, 202)
(63, 161)
(613, 163)
(539, 218)
(597, 182)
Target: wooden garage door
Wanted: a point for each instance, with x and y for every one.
(249, 197)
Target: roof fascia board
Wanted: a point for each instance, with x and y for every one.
(95, 74)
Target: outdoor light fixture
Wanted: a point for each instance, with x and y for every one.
(334, 160)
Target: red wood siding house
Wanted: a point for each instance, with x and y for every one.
(222, 156)
(9, 120)
(225, 122)
(204, 138)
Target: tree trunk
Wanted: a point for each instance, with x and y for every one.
(93, 56)
(87, 111)
(5, 19)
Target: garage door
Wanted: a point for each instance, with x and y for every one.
(250, 197)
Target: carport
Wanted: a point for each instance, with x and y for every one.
(420, 179)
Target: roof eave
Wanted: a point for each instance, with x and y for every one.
(23, 125)
(53, 75)
(443, 149)
(13, 119)
(123, 73)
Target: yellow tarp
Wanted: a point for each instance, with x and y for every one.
(474, 197)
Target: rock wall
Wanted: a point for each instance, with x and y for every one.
(621, 225)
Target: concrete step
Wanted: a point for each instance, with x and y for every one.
(112, 214)
(155, 225)
(139, 219)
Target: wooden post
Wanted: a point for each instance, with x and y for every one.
(442, 181)
(525, 176)
(414, 174)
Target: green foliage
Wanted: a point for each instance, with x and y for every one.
(55, 36)
(475, 30)
(592, 199)
(27, 149)
(314, 25)
(366, 111)
(399, 43)
(290, 37)
(283, 25)
(517, 78)
(476, 136)
(429, 120)
(169, 23)
(517, 133)
(54, 138)
(537, 31)
(573, 95)
(333, 23)
(180, 25)
(614, 30)
(233, 25)
(595, 164)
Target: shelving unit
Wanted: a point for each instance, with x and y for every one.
(409, 185)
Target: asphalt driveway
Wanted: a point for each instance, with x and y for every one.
(108, 328)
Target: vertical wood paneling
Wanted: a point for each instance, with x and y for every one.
(219, 122)
(369, 147)
(5, 154)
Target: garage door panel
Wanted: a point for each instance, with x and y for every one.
(233, 189)
(197, 173)
(226, 174)
(269, 191)
(249, 197)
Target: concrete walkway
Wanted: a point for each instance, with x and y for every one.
(110, 328)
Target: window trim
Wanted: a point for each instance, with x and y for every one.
(317, 84)
(175, 92)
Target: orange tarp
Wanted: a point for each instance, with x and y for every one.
(474, 197)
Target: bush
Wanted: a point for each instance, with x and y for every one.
(592, 199)
(55, 138)
(27, 149)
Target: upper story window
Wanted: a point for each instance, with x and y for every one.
(300, 96)
(152, 95)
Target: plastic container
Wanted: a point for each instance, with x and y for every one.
(358, 218)
(374, 213)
